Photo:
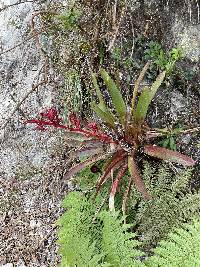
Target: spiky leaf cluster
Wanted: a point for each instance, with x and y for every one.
(119, 137)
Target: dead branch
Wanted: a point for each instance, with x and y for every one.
(35, 32)
(116, 26)
(17, 45)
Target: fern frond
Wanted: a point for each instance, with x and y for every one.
(77, 246)
(181, 249)
(117, 243)
(172, 204)
(105, 243)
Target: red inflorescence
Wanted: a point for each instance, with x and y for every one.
(74, 120)
(51, 118)
(93, 126)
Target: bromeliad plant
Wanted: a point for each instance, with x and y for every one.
(117, 139)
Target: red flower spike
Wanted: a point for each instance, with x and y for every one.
(75, 120)
(52, 116)
(41, 128)
(93, 126)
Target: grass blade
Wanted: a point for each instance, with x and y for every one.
(137, 84)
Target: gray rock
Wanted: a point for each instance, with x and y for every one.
(187, 37)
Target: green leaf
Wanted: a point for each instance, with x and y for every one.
(115, 94)
(146, 98)
(137, 84)
(74, 136)
(106, 117)
(102, 104)
(166, 143)
(86, 152)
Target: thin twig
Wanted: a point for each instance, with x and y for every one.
(198, 12)
(19, 109)
(192, 130)
(34, 31)
(19, 44)
(116, 27)
(114, 14)
(133, 35)
(165, 131)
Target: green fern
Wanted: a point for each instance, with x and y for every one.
(172, 203)
(181, 249)
(117, 243)
(106, 242)
(110, 243)
(75, 236)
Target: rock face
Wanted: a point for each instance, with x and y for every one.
(31, 162)
(27, 197)
(189, 40)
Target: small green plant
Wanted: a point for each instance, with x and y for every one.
(169, 142)
(69, 19)
(117, 54)
(172, 203)
(164, 61)
(169, 138)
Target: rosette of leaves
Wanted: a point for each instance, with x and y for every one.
(118, 138)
